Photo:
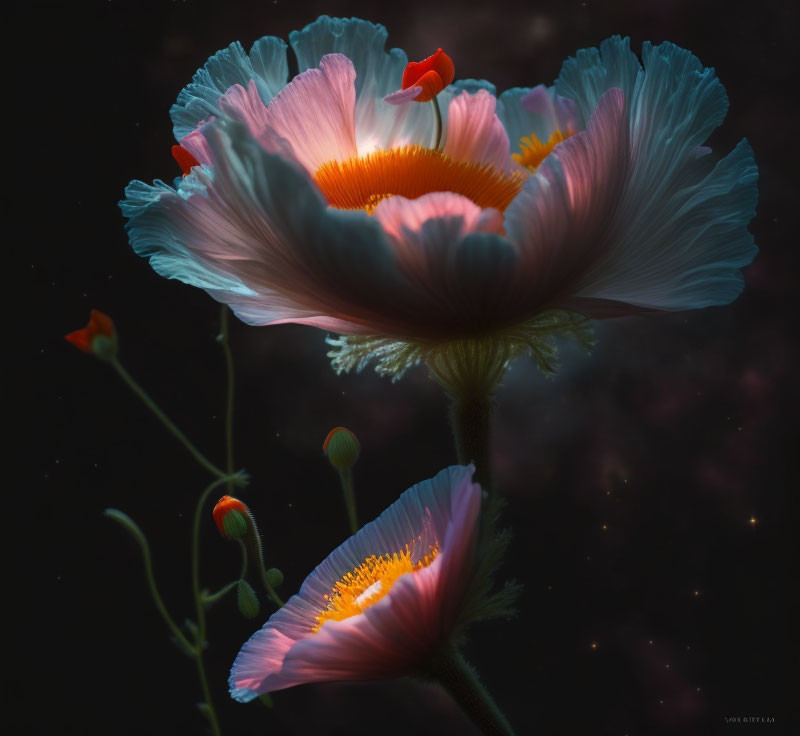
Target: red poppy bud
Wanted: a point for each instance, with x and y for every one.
(432, 74)
(98, 337)
(231, 516)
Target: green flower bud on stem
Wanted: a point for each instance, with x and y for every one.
(247, 600)
(274, 576)
(342, 448)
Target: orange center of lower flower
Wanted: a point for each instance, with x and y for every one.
(369, 582)
(533, 151)
(363, 181)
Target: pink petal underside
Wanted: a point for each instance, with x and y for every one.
(558, 220)
(453, 255)
(475, 133)
(315, 113)
(403, 219)
(197, 144)
(400, 216)
(402, 96)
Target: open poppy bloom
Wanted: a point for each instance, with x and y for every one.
(318, 202)
(379, 605)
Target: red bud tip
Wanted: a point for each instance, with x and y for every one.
(224, 505)
(432, 74)
(99, 324)
(184, 158)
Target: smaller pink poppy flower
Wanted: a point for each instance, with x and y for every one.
(381, 604)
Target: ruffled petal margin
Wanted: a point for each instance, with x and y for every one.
(678, 236)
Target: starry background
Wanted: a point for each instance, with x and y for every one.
(646, 483)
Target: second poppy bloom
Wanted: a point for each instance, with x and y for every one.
(379, 605)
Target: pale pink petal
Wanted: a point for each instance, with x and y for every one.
(401, 97)
(558, 221)
(245, 105)
(315, 113)
(475, 133)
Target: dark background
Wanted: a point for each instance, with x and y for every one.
(631, 477)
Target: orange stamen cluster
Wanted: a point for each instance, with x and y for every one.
(533, 151)
(363, 181)
(369, 582)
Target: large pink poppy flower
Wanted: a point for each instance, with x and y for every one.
(380, 605)
(317, 202)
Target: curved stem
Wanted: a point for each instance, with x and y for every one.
(210, 713)
(437, 114)
(209, 598)
(166, 421)
(226, 349)
(132, 527)
(346, 477)
(198, 601)
(461, 681)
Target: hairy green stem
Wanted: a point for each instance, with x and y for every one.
(166, 421)
(456, 675)
(251, 548)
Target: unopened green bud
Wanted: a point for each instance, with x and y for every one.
(247, 600)
(342, 448)
(274, 577)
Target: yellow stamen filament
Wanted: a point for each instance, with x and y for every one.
(369, 582)
(362, 182)
(533, 151)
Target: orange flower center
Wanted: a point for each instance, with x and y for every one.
(363, 181)
(533, 151)
(369, 582)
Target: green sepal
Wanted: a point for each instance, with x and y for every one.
(235, 525)
(266, 699)
(104, 347)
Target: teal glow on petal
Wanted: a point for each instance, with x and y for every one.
(266, 64)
